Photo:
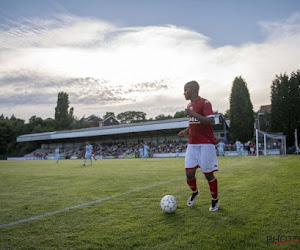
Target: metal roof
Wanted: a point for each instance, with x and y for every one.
(107, 130)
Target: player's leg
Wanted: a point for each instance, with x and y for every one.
(84, 160)
(91, 159)
(191, 165)
(209, 164)
(191, 180)
(213, 187)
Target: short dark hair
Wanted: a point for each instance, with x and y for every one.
(194, 84)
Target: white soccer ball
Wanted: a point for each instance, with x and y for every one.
(168, 204)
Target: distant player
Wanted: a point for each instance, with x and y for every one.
(88, 153)
(252, 148)
(242, 149)
(221, 145)
(57, 155)
(177, 152)
(238, 146)
(141, 152)
(145, 153)
(201, 152)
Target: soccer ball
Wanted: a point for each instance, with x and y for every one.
(168, 204)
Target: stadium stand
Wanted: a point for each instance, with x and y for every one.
(119, 140)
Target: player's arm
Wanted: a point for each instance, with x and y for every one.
(200, 118)
(184, 132)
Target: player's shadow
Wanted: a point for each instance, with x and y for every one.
(178, 217)
(221, 217)
(225, 217)
(174, 219)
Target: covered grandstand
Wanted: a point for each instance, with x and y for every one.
(153, 132)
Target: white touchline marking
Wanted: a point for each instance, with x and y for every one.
(84, 204)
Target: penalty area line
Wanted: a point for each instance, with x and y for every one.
(84, 204)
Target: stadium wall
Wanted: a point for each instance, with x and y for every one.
(168, 155)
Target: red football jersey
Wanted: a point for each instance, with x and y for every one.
(201, 133)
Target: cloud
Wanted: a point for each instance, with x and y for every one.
(32, 88)
(26, 97)
(148, 87)
(51, 33)
(283, 29)
(104, 67)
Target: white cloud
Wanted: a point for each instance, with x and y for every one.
(108, 68)
(59, 31)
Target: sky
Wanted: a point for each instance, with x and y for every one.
(136, 55)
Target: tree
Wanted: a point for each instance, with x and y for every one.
(277, 102)
(264, 121)
(163, 117)
(49, 124)
(80, 123)
(5, 131)
(285, 101)
(10, 129)
(63, 116)
(131, 117)
(241, 111)
(227, 114)
(108, 114)
(180, 114)
(36, 125)
(295, 100)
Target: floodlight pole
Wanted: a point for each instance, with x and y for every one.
(265, 144)
(296, 141)
(256, 133)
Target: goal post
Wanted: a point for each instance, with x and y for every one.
(269, 143)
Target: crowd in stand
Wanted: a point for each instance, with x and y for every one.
(111, 149)
(116, 149)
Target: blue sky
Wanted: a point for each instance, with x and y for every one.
(114, 56)
(224, 21)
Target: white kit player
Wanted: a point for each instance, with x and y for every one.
(57, 155)
(145, 154)
(221, 146)
(88, 153)
(201, 152)
(238, 146)
(177, 152)
(141, 152)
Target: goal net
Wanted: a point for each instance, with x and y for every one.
(270, 144)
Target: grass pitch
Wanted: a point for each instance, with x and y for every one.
(259, 199)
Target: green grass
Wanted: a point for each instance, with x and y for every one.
(259, 198)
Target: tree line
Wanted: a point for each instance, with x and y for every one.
(285, 109)
(11, 128)
(284, 116)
